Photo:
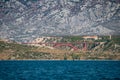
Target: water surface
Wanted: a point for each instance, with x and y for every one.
(59, 70)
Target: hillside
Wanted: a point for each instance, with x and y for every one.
(109, 50)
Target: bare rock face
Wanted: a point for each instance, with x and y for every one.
(24, 20)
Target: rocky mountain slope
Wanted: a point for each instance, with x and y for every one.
(25, 20)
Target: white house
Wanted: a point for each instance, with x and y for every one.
(91, 37)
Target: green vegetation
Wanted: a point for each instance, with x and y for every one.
(106, 49)
(75, 56)
(14, 46)
(19, 51)
(65, 56)
(72, 38)
(116, 39)
(103, 39)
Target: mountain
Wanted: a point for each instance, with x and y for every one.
(25, 20)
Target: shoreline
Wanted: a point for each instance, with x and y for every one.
(56, 60)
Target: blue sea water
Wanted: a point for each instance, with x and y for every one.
(59, 70)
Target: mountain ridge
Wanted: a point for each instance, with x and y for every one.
(25, 20)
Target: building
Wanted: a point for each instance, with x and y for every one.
(90, 37)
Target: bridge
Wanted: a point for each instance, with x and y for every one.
(73, 45)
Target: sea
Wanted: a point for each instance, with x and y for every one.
(59, 70)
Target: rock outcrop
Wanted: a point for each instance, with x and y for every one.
(25, 20)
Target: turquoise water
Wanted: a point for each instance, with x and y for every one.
(59, 70)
